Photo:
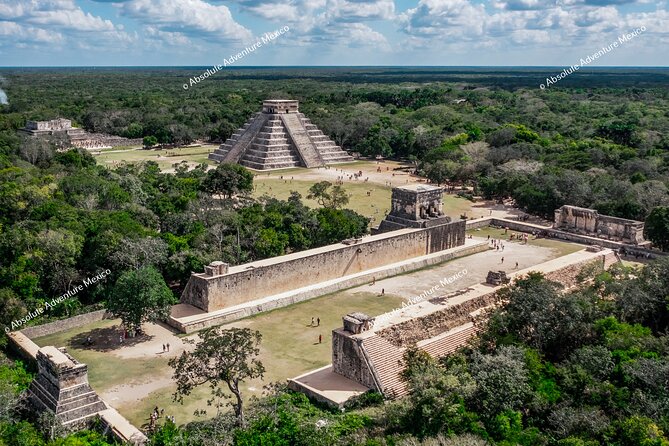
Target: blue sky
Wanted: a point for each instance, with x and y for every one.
(331, 32)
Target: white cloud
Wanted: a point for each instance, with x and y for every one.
(22, 34)
(56, 22)
(156, 37)
(514, 24)
(452, 18)
(349, 11)
(194, 18)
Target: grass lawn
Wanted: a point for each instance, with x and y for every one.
(373, 206)
(289, 348)
(165, 158)
(563, 248)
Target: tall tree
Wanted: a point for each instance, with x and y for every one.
(222, 356)
(657, 227)
(228, 179)
(140, 296)
(327, 195)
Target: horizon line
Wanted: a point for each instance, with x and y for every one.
(328, 66)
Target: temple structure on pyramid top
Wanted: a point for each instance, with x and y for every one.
(279, 137)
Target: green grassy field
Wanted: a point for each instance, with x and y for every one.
(373, 206)
(289, 348)
(165, 158)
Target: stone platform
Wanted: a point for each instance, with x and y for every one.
(61, 387)
(326, 386)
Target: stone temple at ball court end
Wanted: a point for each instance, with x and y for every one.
(279, 137)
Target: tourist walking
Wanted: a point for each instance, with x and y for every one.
(502, 259)
(312, 321)
(168, 347)
(318, 322)
(163, 348)
(320, 338)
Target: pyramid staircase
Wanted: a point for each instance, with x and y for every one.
(270, 141)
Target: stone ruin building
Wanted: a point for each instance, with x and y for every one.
(74, 136)
(589, 222)
(414, 206)
(279, 137)
(61, 387)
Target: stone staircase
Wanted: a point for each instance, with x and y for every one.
(386, 361)
(270, 148)
(447, 343)
(301, 140)
(330, 152)
(278, 141)
(234, 147)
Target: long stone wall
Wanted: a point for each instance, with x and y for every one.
(50, 328)
(245, 283)
(189, 325)
(418, 329)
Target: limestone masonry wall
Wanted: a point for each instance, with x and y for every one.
(265, 278)
(66, 324)
(417, 329)
(349, 360)
(564, 235)
(589, 222)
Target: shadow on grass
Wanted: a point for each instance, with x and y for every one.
(105, 339)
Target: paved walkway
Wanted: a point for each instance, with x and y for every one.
(477, 266)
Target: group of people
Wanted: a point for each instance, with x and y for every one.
(318, 324)
(522, 237)
(166, 347)
(497, 244)
(158, 414)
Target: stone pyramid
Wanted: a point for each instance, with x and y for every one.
(279, 137)
(61, 387)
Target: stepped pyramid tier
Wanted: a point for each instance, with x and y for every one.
(61, 387)
(279, 137)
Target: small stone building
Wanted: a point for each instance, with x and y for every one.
(61, 387)
(589, 222)
(414, 206)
